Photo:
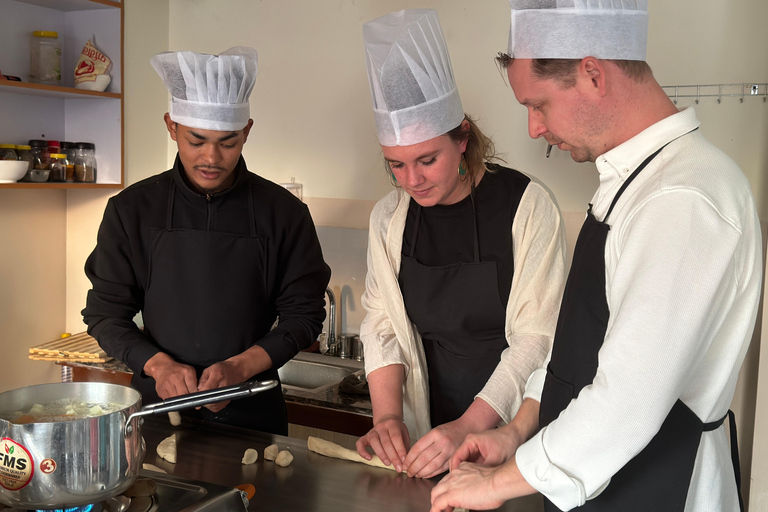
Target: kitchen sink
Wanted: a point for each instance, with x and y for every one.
(314, 375)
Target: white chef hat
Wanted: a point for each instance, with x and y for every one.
(574, 29)
(209, 92)
(412, 85)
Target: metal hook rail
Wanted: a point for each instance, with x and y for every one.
(719, 91)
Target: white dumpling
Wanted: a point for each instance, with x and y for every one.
(167, 449)
(284, 458)
(175, 418)
(250, 456)
(270, 452)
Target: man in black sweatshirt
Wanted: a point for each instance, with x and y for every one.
(210, 254)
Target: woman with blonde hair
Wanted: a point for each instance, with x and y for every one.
(465, 261)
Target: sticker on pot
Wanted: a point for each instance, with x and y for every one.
(48, 466)
(16, 465)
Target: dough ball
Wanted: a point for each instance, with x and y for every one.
(250, 456)
(270, 452)
(284, 458)
(175, 418)
(167, 449)
(96, 410)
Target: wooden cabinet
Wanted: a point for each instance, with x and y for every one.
(63, 113)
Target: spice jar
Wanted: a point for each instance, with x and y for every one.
(25, 154)
(45, 58)
(85, 162)
(40, 158)
(52, 146)
(58, 167)
(8, 152)
(69, 149)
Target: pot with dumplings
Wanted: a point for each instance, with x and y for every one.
(73, 444)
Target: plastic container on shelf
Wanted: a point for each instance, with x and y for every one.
(58, 167)
(45, 58)
(8, 152)
(85, 162)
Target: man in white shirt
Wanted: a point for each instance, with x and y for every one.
(660, 303)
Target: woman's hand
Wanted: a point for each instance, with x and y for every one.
(431, 454)
(389, 439)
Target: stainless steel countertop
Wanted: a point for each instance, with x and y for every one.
(312, 483)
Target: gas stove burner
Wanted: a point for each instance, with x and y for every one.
(169, 494)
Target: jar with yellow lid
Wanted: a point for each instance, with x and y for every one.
(45, 58)
(8, 152)
(58, 167)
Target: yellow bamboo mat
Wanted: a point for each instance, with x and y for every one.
(79, 347)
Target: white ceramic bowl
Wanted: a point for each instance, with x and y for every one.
(12, 170)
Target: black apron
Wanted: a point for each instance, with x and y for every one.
(460, 316)
(657, 479)
(201, 310)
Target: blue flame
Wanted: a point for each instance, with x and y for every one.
(84, 508)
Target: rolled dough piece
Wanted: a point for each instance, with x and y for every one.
(284, 458)
(167, 449)
(152, 467)
(175, 418)
(329, 449)
(270, 452)
(250, 456)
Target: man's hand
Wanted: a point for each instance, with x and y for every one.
(389, 439)
(471, 486)
(171, 378)
(217, 376)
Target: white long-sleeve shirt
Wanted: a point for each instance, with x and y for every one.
(389, 337)
(683, 273)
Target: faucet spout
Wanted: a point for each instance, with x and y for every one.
(331, 317)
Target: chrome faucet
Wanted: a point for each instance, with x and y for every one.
(331, 340)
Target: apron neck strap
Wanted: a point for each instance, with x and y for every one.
(637, 171)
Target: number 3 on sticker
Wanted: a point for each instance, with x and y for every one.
(48, 466)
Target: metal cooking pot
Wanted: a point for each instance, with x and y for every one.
(78, 462)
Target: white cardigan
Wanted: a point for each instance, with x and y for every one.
(389, 337)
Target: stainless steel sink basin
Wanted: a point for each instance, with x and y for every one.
(312, 376)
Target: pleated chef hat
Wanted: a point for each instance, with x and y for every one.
(209, 92)
(412, 85)
(574, 29)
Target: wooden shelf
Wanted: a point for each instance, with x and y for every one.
(45, 185)
(74, 5)
(54, 91)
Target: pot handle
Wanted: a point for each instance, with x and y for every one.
(201, 398)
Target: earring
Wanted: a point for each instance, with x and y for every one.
(391, 174)
(463, 169)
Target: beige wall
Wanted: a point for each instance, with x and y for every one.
(32, 282)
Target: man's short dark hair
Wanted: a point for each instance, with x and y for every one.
(564, 70)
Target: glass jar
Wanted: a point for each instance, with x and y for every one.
(8, 152)
(52, 147)
(69, 149)
(85, 162)
(25, 154)
(45, 58)
(40, 160)
(58, 167)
